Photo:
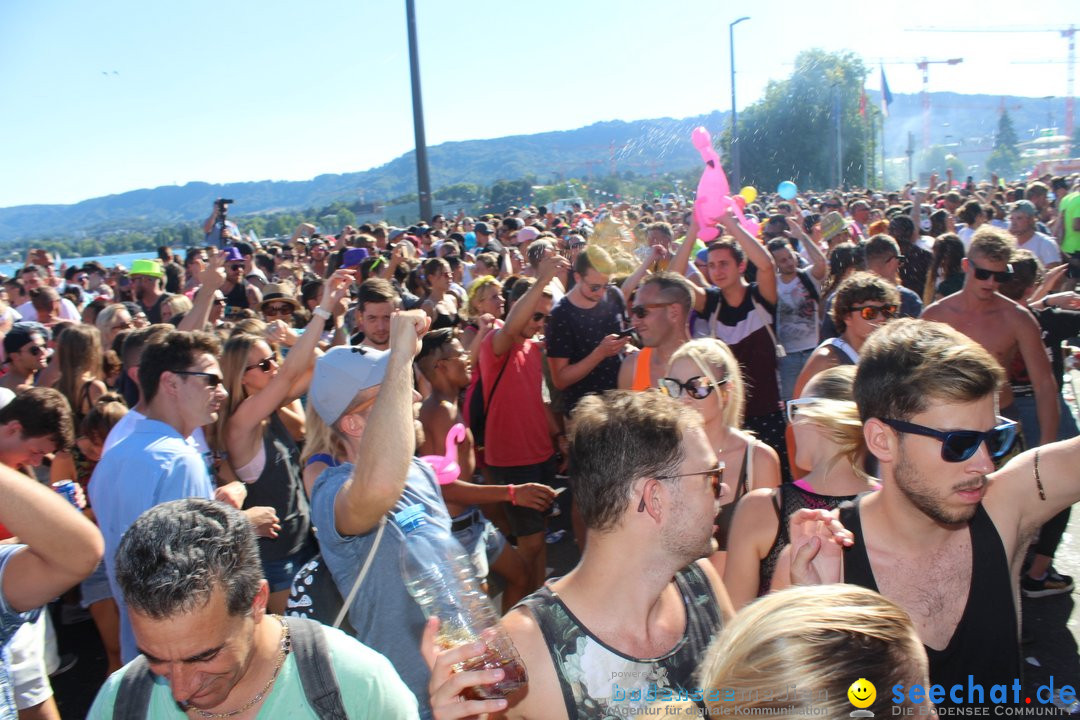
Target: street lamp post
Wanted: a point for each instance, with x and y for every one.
(735, 176)
(423, 180)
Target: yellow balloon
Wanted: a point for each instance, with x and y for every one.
(748, 193)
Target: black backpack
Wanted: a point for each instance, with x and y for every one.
(478, 409)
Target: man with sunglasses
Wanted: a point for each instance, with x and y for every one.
(26, 355)
(946, 535)
(181, 384)
(637, 612)
(659, 316)
(1000, 325)
(239, 293)
(583, 341)
(519, 447)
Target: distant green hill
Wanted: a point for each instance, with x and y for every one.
(644, 147)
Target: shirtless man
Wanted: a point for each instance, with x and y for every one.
(999, 324)
(641, 606)
(445, 364)
(945, 536)
(659, 315)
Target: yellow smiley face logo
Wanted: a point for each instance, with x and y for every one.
(862, 693)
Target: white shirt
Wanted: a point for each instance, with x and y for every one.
(1043, 247)
(68, 311)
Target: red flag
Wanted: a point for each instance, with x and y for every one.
(862, 105)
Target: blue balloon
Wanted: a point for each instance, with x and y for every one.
(787, 190)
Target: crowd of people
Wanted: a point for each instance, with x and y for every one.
(204, 455)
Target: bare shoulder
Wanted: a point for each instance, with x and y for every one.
(727, 611)
(766, 467)
(536, 699)
(942, 308)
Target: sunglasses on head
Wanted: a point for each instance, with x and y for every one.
(697, 387)
(212, 380)
(640, 311)
(959, 445)
(715, 476)
(872, 312)
(266, 364)
(1000, 276)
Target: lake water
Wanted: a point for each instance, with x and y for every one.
(108, 261)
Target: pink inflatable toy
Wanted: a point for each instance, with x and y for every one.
(714, 193)
(446, 466)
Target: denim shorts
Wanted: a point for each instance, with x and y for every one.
(481, 539)
(280, 573)
(96, 587)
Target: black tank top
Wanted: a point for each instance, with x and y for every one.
(589, 670)
(790, 498)
(237, 297)
(727, 512)
(280, 486)
(986, 642)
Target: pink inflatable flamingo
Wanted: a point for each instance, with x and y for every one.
(714, 193)
(446, 466)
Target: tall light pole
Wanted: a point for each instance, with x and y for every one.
(735, 175)
(423, 180)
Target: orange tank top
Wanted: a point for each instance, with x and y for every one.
(642, 381)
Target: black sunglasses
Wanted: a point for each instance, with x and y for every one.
(265, 364)
(234, 268)
(278, 310)
(36, 350)
(538, 316)
(715, 476)
(1000, 276)
(959, 445)
(640, 311)
(211, 379)
(696, 387)
(871, 312)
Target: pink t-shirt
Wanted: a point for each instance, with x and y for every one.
(517, 429)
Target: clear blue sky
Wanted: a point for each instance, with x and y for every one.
(114, 95)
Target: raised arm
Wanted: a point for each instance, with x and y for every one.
(63, 547)
(655, 254)
(382, 462)
(523, 309)
(755, 253)
(819, 266)
(242, 427)
(211, 278)
(681, 260)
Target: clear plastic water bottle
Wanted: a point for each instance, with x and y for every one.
(440, 576)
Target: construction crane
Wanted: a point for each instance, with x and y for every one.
(924, 65)
(1068, 33)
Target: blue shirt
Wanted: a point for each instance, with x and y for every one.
(10, 620)
(154, 464)
(384, 614)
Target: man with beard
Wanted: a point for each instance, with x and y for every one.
(375, 303)
(659, 316)
(147, 277)
(367, 400)
(946, 535)
(639, 609)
